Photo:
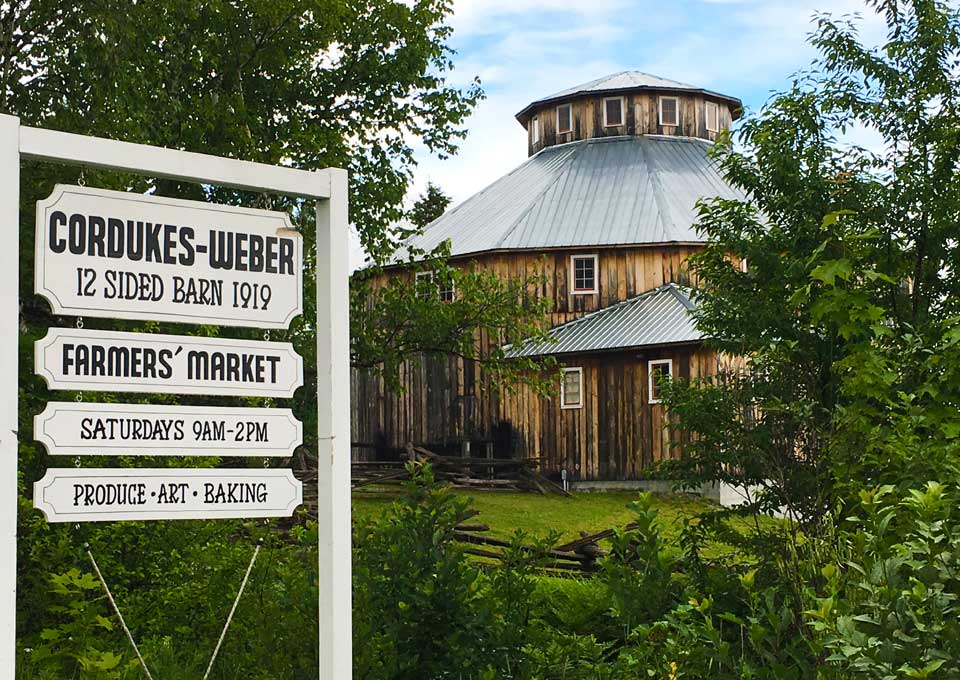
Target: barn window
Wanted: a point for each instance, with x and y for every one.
(571, 388)
(583, 272)
(535, 130)
(428, 285)
(613, 111)
(669, 111)
(564, 118)
(713, 117)
(424, 285)
(657, 370)
(448, 292)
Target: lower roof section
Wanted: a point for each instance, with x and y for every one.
(662, 316)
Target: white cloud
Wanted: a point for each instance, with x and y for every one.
(485, 17)
(526, 49)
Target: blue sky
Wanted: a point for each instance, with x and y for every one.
(526, 49)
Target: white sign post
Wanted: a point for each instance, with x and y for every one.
(99, 495)
(9, 381)
(85, 429)
(215, 302)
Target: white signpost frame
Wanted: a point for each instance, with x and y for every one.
(329, 189)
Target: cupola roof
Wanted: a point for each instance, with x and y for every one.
(625, 81)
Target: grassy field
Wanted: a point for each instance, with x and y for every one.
(505, 512)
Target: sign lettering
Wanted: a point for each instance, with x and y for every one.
(100, 495)
(132, 256)
(111, 361)
(87, 429)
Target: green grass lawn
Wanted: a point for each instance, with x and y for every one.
(505, 512)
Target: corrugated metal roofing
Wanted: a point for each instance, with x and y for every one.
(597, 192)
(658, 317)
(622, 82)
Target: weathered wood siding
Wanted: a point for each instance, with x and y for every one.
(623, 273)
(616, 434)
(641, 117)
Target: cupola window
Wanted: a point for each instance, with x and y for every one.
(535, 130)
(583, 270)
(571, 388)
(713, 117)
(657, 371)
(613, 111)
(564, 118)
(669, 111)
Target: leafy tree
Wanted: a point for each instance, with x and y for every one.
(429, 206)
(454, 310)
(310, 84)
(307, 84)
(847, 311)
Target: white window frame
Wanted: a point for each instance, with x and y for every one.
(650, 364)
(708, 106)
(453, 292)
(660, 110)
(563, 387)
(623, 113)
(535, 131)
(573, 274)
(418, 276)
(561, 131)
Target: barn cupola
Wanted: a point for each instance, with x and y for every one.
(627, 103)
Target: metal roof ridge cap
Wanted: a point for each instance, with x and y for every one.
(680, 295)
(480, 193)
(663, 208)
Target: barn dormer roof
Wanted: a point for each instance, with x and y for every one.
(662, 316)
(623, 82)
(615, 191)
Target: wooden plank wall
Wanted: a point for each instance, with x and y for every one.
(641, 118)
(616, 435)
(623, 273)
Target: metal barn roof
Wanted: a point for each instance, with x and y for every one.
(597, 192)
(623, 81)
(658, 317)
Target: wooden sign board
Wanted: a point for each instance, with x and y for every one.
(104, 495)
(131, 256)
(111, 361)
(95, 429)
